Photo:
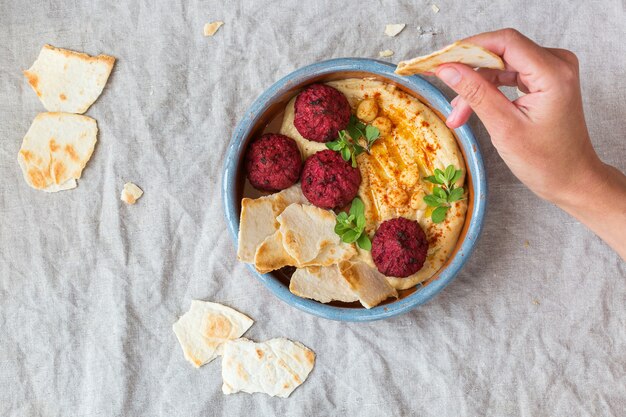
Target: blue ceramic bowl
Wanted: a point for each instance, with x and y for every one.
(272, 102)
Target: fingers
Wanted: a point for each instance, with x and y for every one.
(499, 78)
(460, 114)
(461, 109)
(565, 55)
(490, 105)
(520, 54)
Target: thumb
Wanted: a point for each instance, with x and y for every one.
(489, 104)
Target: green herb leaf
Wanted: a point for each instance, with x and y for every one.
(432, 179)
(431, 200)
(358, 149)
(456, 177)
(439, 214)
(371, 133)
(348, 141)
(456, 194)
(439, 192)
(335, 145)
(364, 242)
(450, 170)
(360, 222)
(440, 176)
(351, 226)
(355, 128)
(357, 208)
(441, 197)
(350, 236)
(343, 216)
(341, 228)
(345, 154)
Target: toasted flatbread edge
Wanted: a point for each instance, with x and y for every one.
(406, 67)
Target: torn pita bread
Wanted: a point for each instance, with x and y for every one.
(131, 193)
(271, 254)
(276, 367)
(308, 231)
(67, 185)
(394, 29)
(55, 150)
(323, 284)
(211, 28)
(331, 255)
(203, 330)
(370, 286)
(463, 52)
(68, 81)
(258, 219)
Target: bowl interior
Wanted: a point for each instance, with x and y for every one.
(265, 115)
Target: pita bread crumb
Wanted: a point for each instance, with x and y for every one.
(462, 52)
(203, 330)
(276, 367)
(394, 29)
(56, 149)
(68, 81)
(434, 8)
(131, 193)
(386, 53)
(211, 28)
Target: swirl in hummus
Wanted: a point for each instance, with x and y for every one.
(393, 173)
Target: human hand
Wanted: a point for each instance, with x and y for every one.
(542, 136)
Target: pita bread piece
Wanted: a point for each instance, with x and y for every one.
(55, 150)
(367, 283)
(331, 255)
(271, 254)
(463, 52)
(307, 231)
(258, 219)
(131, 193)
(68, 81)
(323, 284)
(203, 330)
(276, 367)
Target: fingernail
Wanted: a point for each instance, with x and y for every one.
(449, 76)
(452, 116)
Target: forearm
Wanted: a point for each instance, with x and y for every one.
(601, 206)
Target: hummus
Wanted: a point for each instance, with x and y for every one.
(393, 173)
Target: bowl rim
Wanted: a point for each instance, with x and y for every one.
(436, 99)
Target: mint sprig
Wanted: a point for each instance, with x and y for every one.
(445, 193)
(348, 142)
(351, 226)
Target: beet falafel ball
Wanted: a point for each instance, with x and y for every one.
(273, 162)
(399, 247)
(321, 112)
(328, 181)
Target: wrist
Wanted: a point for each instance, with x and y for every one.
(589, 182)
(600, 204)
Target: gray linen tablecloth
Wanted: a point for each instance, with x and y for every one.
(89, 287)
